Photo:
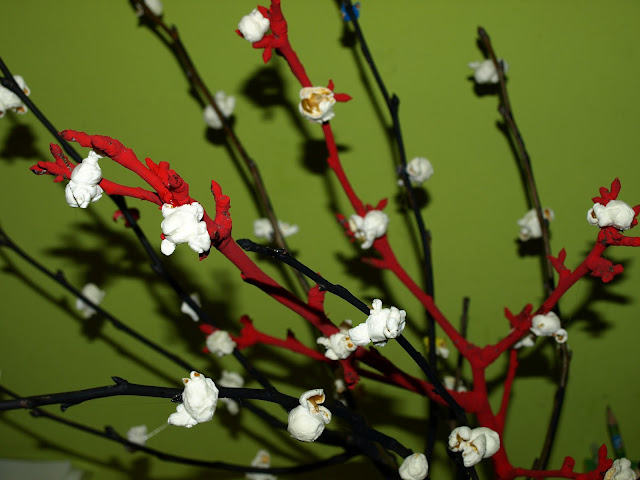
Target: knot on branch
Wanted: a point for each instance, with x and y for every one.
(603, 268)
(558, 263)
(220, 229)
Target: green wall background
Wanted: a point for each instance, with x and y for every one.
(91, 67)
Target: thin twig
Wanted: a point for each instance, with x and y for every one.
(179, 50)
(393, 103)
(506, 111)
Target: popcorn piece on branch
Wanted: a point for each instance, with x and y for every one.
(138, 434)
(366, 230)
(94, 294)
(262, 228)
(226, 104)
(548, 325)
(615, 213)
(187, 310)
(10, 101)
(220, 343)
(620, 470)
(199, 400)
(231, 380)
(475, 444)
(414, 467)
(307, 420)
(485, 72)
(184, 224)
(316, 104)
(83, 187)
(530, 226)
(339, 345)
(155, 6)
(261, 460)
(381, 325)
(419, 170)
(253, 26)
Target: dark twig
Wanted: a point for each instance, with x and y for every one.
(174, 42)
(110, 434)
(346, 295)
(124, 388)
(548, 280)
(393, 103)
(60, 278)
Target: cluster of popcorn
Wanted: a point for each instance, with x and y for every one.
(307, 420)
(339, 345)
(253, 26)
(199, 400)
(548, 325)
(94, 295)
(184, 224)
(366, 230)
(83, 187)
(261, 460)
(220, 343)
(10, 101)
(381, 325)
(419, 170)
(262, 228)
(475, 444)
(226, 104)
(530, 226)
(231, 380)
(615, 213)
(414, 467)
(485, 73)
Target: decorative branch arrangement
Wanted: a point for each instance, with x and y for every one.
(354, 352)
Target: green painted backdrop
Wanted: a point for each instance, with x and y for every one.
(91, 67)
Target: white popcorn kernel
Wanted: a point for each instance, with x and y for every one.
(199, 400)
(339, 345)
(184, 224)
(261, 460)
(226, 104)
(220, 343)
(414, 467)
(485, 72)
(262, 228)
(10, 101)
(155, 6)
(419, 170)
(307, 421)
(530, 226)
(527, 341)
(316, 104)
(615, 213)
(561, 335)
(366, 230)
(620, 470)
(83, 187)
(253, 26)
(545, 325)
(381, 325)
(137, 434)
(449, 382)
(231, 380)
(187, 310)
(475, 444)
(94, 294)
